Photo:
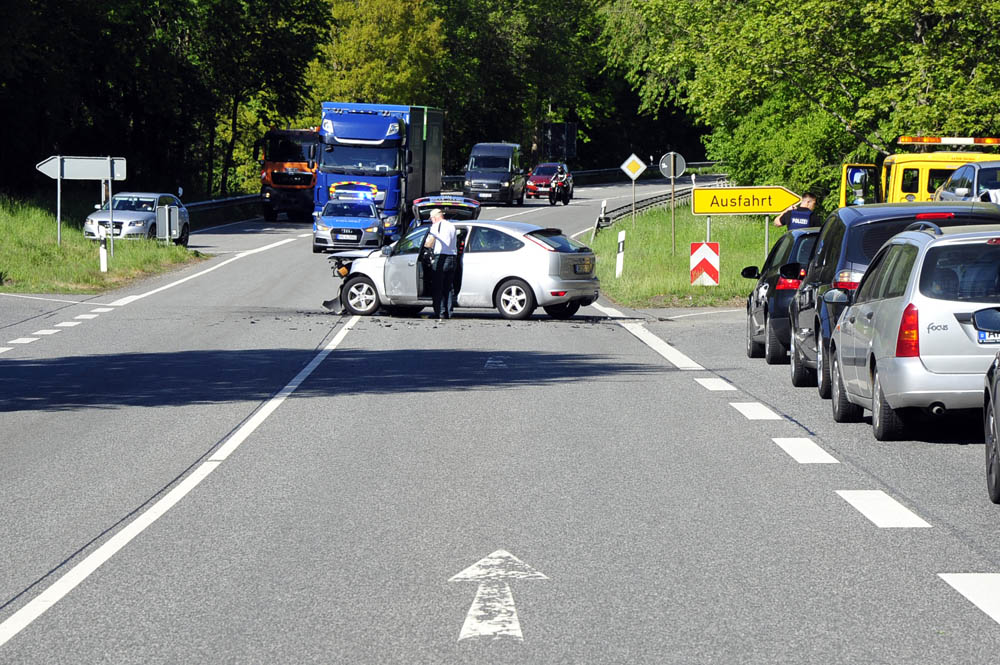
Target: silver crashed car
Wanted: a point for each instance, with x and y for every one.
(511, 266)
(907, 339)
(134, 216)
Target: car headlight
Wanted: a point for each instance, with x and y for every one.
(505, 183)
(468, 182)
(372, 229)
(390, 221)
(139, 222)
(320, 224)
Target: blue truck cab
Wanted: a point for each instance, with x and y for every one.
(392, 152)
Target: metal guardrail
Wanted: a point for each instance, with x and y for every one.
(682, 195)
(222, 203)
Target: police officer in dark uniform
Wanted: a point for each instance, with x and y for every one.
(802, 215)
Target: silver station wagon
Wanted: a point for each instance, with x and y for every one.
(514, 267)
(907, 340)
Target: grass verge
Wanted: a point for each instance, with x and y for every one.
(654, 277)
(32, 262)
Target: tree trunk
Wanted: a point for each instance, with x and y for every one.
(228, 162)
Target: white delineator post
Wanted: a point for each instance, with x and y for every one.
(620, 259)
(103, 251)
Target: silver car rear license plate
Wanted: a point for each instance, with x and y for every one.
(989, 337)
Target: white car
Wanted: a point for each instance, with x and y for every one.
(511, 266)
(134, 216)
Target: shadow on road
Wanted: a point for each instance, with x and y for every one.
(208, 377)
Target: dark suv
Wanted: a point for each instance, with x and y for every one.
(849, 240)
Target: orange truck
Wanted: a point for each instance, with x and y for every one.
(287, 176)
(911, 176)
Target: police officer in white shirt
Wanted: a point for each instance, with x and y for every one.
(443, 236)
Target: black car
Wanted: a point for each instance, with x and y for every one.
(767, 304)
(846, 245)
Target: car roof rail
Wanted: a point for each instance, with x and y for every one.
(925, 226)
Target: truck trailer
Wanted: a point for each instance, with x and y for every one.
(389, 152)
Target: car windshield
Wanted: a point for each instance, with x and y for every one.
(557, 241)
(359, 160)
(349, 209)
(489, 163)
(962, 272)
(140, 203)
(544, 170)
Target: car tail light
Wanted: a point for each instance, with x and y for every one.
(558, 294)
(993, 241)
(787, 284)
(908, 340)
(847, 280)
(934, 215)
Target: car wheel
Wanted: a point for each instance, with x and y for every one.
(151, 234)
(801, 375)
(515, 300)
(822, 369)
(887, 424)
(270, 215)
(844, 411)
(774, 351)
(754, 349)
(992, 454)
(182, 239)
(562, 311)
(360, 297)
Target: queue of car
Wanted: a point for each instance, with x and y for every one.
(895, 311)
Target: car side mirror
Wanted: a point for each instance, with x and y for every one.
(837, 297)
(962, 191)
(386, 250)
(791, 271)
(987, 320)
(750, 272)
(409, 169)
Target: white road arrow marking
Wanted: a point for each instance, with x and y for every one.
(493, 614)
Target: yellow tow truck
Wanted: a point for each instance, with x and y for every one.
(909, 177)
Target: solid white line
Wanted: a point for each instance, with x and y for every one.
(755, 411)
(68, 324)
(78, 573)
(222, 226)
(23, 340)
(5, 349)
(608, 311)
(130, 299)
(981, 589)
(86, 317)
(71, 302)
(305, 235)
(884, 511)
(719, 311)
(226, 449)
(805, 451)
(102, 310)
(523, 212)
(716, 384)
(46, 332)
(672, 355)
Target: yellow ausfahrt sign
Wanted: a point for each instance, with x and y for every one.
(742, 200)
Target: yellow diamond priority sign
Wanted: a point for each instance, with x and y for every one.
(742, 200)
(633, 167)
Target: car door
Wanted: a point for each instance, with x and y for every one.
(486, 260)
(768, 279)
(822, 269)
(183, 212)
(855, 328)
(881, 329)
(404, 274)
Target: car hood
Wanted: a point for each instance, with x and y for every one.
(540, 179)
(122, 216)
(349, 222)
(355, 253)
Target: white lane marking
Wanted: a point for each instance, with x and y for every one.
(492, 613)
(884, 511)
(68, 324)
(716, 384)
(981, 589)
(78, 573)
(222, 226)
(226, 449)
(755, 411)
(23, 340)
(5, 349)
(71, 302)
(47, 331)
(718, 311)
(669, 353)
(86, 317)
(131, 299)
(608, 311)
(805, 451)
(102, 310)
(305, 235)
(523, 212)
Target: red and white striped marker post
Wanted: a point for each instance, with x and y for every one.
(705, 263)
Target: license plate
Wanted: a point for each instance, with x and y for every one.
(346, 236)
(989, 337)
(543, 189)
(485, 196)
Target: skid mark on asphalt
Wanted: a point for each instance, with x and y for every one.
(882, 510)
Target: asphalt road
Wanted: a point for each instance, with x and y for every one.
(208, 467)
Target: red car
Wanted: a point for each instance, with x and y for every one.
(538, 182)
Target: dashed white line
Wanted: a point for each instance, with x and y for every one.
(86, 317)
(805, 451)
(102, 310)
(716, 384)
(672, 355)
(47, 331)
(78, 573)
(980, 589)
(68, 324)
(5, 349)
(23, 340)
(71, 302)
(755, 411)
(715, 311)
(883, 511)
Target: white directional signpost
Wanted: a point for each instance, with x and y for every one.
(61, 168)
(492, 614)
(672, 166)
(633, 168)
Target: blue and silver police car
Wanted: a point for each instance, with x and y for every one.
(348, 221)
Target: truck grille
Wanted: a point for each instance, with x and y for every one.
(291, 179)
